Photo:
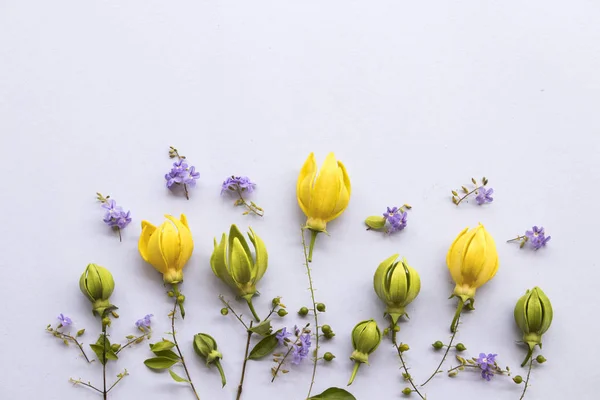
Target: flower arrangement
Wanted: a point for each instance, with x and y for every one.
(240, 261)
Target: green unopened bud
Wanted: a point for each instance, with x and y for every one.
(375, 222)
(438, 345)
(224, 311)
(281, 312)
(206, 347)
(276, 301)
(386, 331)
(518, 379)
(321, 307)
(106, 321)
(115, 347)
(460, 347)
(97, 284)
(326, 328)
(540, 359)
(403, 347)
(533, 315)
(180, 299)
(406, 391)
(303, 311)
(328, 356)
(397, 284)
(366, 337)
(329, 335)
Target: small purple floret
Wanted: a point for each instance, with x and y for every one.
(64, 320)
(144, 322)
(395, 219)
(537, 237)
(484, 195)
(238, 183)
(281, 336)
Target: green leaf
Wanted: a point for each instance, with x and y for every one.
(159, 363)
(375, 222)
(162, 345)
(170, 354)
(263, 329)
(102, 347)
(177, 378)
(334, 393)
(263, 348)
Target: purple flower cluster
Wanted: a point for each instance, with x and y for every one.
(281, 336)
(238, 183)
(182, 174)
(144, 322)
(115, 215)
(300, 351)
(487, 363)
(64, 320)
(537, 237)
(395, 219)
(484, 195)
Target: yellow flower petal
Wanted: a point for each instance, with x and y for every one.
(455, 256)
(474, 257)
(186, 243)
(147, 230)
(344, 194)
(306, 179)
(326, 190)
(154, 254)
(170, 245)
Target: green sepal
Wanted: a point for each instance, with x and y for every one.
(263, 329)
(177, 378)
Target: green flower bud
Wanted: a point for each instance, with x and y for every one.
(115, 347)
(206, 347)
(403, 347)
(281, 312)
(406, 391)
(438, 345)
(460, 347)
(533, 314)
(540, 359)
(106, 321)
(329, 335)
(276, 301)
(386, 331)
(233, 263)
(303, 311)
(328, 356)
(326, 328)
(518, 379)
(180, 299)
(375, 222)
(396, 284)
(224, 311)
(366, 337)
(321, 307)
(97, 284)
(170, 293)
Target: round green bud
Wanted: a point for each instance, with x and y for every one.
(170, 293)
(106, 321)
(386, 331)
(460, 347)
(406, 391)
(540, 359)
(438, 345)
(329, 335)
(366, 337)
(303, 311)
(328, 356)
(276, 301)
(115, 347)
(281, 312)
(403, 347)
(326, 328)
(518, 379)
(321, 307)
(206, 347)
(97, 284)
(396, 328)
(180, 299)
(224, 311)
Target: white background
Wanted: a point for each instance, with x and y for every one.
(414, 98)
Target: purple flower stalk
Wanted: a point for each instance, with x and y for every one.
(145, 322)
(114, 215)
(64, 320)
(300, 351)
(484, 195)
(395, 219)
(537, 237)
(281, 336)
(182, 174)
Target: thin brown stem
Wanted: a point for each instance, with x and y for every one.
(437, 370)
(185, 189)
(241, 385)
(66, 336)
(406, 374)
(251, 207)
(315, 312)
(468, 194)
(104, 392)
(132, 341)
(79, 382)
(121, 376)
(187, 373)
(239, 318)
(527, 379)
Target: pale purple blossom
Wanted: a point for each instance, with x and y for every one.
(144, 322)
(484, 195)
(182, 173)
(115, 216)
(282, 336)
(537, 237)
(300, 351)
(486, 361)
(238, 183)
(487, 374)
(64, 320)
(395, 219)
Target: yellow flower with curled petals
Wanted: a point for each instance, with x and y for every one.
(322, 197)
(167, 247)
(472, 261)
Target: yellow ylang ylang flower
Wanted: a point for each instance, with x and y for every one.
(322, 197)
(233, 263)
(472, 261)
(168, 247)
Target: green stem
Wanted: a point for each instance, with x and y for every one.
(529, 354)
(241, 385)
(313, 238)
(445, 355)
(354, 371)
(187, 373)
(527, 379)
(220, 368)
(409, 378)
(104, 391)
(459, 308)
(315, 311)
(468, 194)
(248, 299)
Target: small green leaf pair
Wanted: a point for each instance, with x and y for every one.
(104, 350)
(265, 347)
(165, 358)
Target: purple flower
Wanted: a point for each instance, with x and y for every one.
(300, 351)
(238, 183)
(64, 320)
(115, 216)
(537, 237)
(486, 361)
(144, 322)
(281, 336)
(182, 173)
(395, 219)
(484, 195)
(487, 374)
